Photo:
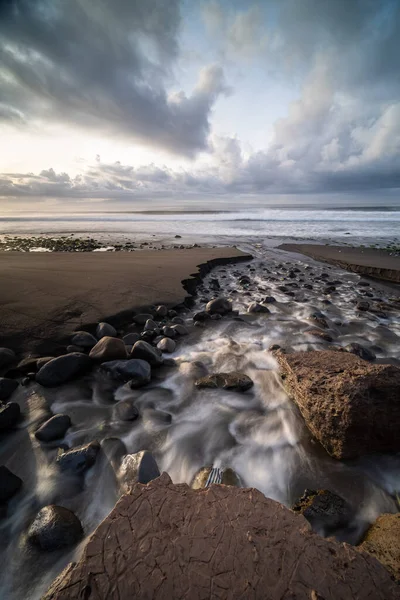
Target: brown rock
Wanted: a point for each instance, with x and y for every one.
(108, 348)
(229, 477)
(165, 541)
(382, 540)
(228, 381)
(349, 405)
(320, 334)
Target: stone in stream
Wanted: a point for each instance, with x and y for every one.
(239, 544)
(350, 406)
(180, 329)
(360, 351)
(362, 305)
(7, 387)
(63, 369)
(254, 307)
(227, 381)
(269, 300)
(146, 352)
(141, 318)
(72, 348)
(9, 415)
(150, 325)
(125, 410)
(177, 321)
(169, 332)
(220, 306)
(138, 468)
(83, 339)
(79, 459)
(161, 311)
(105, 329)
(325, 511)
(226, 476)
(7, 357)
(136, 371)
(166, 345)
(131, 338)
(201, 316)
(10, 484)
(54, 428)
(108, 348)
(319, 334)
(382, 541)
(114, 449)
(318, 320)
(54, 527)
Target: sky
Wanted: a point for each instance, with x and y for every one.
(134, 102)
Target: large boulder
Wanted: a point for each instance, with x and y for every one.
(54, 527)
(54, 428)
(7, 387)
(169, 541)
(382, 540)
(79, 459)
(145, 351)
(63, 369)
(135, 370)
(227, 381)
(219, 306)
(9, 415)
(9, 484)
(351, 406)
(108, 348)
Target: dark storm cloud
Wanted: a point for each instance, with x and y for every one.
(103, 64)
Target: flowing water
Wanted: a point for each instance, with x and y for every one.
(260, 433)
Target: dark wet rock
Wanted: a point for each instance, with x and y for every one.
(29, 364)
(318, 319)
(9, 415)
(254, 307)
(177, 321)
(269, 300)
(146, 352)
(136, 371)
(148, 336)
(7, 387)
(63, 368)
(220, 306)
(280, 556)
(244, 280)
(169, 332)
(349, 405)
(84, 339)
(228, 381)
(322, 335)
(274, 347)
(139, 468)
(382, 541)
(363, 284)
(161, 311)
(150, 325)
(325, 511)
(362, 305)
(108, 348)
(73, 348)
(131, 338)
(125, 410)
(166, 345)
(53, 429)
(7, 357)
(172, 313)
(141, 318)
(55, 527)
(180, 329)
(10, 484)
(105, 329)
(79, 459)
(214, 284)
(283, 288)
(216, 317)
(361, 351)
(308, 286)
(329, 290)
(228, 477)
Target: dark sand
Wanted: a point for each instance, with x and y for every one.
(45, 297)
(365, 261)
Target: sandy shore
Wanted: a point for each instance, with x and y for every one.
(365, 261)
(44, 297)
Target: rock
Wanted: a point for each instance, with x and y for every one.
(254, 307)
(227, 476)
(274, 347)
(125, 410)
(141, 318)
(220, 306)
(166, 345)
(114, 450)
(219, 542)
(55, 527)
(138, 468)
(169, 332)
(150, 325)
(349, 405)
(269, 300)
(10, 484)
(214, 284)
(105, 329)
(63, 368)
(136, 371)
(227, 381)
(72, 348)
(180, 329)
(320, 334)
(79, 459)
(7, 387)
(362, 305)
(318, 320)
(360, 351)
(148, 336)
(382, 541)
(161, 311)
(177, 321)
(84, 339)
(7, 357)
(201, 316)
(54, 428)
(131, 338)
(325, 511)
(9, 415)
(146, 352)
(108, 348)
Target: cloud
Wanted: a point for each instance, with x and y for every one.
(105, 65)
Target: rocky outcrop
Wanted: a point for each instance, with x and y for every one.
(350, 406)
(383, 541)
(169, 541)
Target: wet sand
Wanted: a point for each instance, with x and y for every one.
(365, 261)
(44, 297)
